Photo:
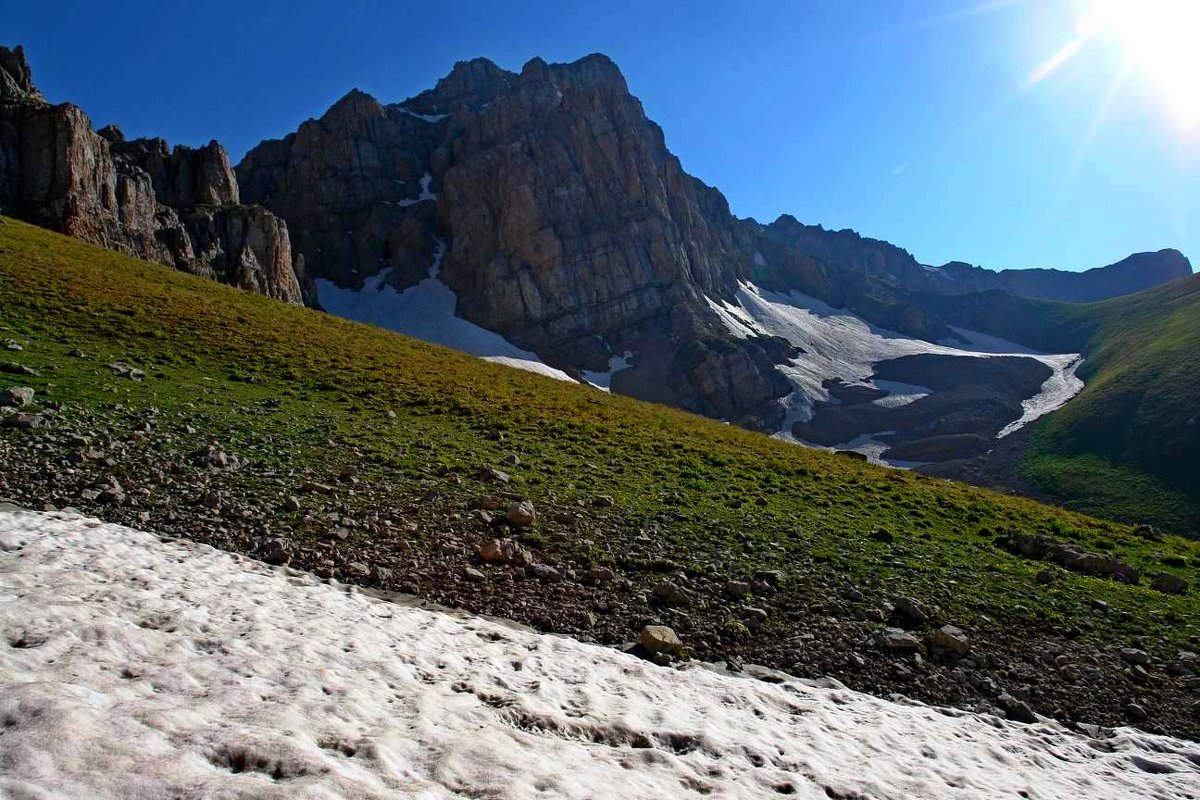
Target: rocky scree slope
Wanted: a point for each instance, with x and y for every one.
(147, 397)
(178, 206)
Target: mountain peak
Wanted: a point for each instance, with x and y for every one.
(355, 104)
(588, 72)
(470, 83)
(16, 79)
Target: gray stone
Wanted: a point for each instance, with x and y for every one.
(737, 589)
(1135, 656)
(16, 396)
(952, 639)
(895, 639)
(25, 421)
(911, 609)
(521, 513)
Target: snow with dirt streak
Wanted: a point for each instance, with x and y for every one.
(839, 344)
(137, 668)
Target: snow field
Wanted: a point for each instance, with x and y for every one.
(132, 667)
(427, 312)
(839, 344)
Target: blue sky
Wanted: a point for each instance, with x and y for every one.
(908, 120)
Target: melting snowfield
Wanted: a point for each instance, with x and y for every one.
(839, 344)
(136, 668)
(427, 312)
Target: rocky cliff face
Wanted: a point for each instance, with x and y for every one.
(569, 227)
(178, 206)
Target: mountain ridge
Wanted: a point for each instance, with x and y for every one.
(571, 229)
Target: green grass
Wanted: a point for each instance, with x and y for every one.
(700, 489)
(1129, 445)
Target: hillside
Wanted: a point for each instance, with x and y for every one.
(183, 406)
(1128, 445)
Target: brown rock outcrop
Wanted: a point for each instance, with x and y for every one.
(179, 207)
(349, 184)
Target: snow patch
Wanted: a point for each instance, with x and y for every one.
(603, 380)
(840, 344)
(1058, 389)
(869, 446)
(900, 393)
(986, 343)
(150, 668)
(425, 117)
(426, 179)
(427, 312)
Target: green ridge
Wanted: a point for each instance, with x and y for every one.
(1128, 446)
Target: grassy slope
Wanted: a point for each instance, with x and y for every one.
(1129, 445)
(213, 354)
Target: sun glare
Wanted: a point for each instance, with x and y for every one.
(1159, 39)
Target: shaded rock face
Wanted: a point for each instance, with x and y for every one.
(570, 229)
(181, 177)
(350, 185)
(179, 207)
(570, 219)
(16, 80)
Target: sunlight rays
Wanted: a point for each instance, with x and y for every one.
(1085, 141)
(1052, 64)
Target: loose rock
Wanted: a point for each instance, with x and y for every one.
(895, 639)
(660, 639)
(16, 396)
(952, 639)
(521, 513)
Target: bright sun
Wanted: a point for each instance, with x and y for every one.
(1161, 39)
